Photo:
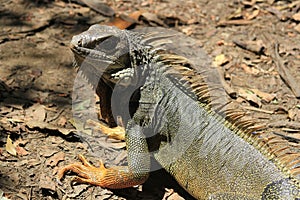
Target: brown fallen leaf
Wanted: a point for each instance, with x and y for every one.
(21, 142)
(46, 183)
(256, 46)
(275, 11)
(294, 114)
(46, 152)
(99, 7)
(124, 21)
(236, 14)
(43, 125)
(152, 18)
(36, 113)
(221, 60)
(21, 151)
(250, 97)
(249, 70)
(296, 17)
(32, 163)
(10, 147)
(60, 156)
(263, 95)
(79, 189)
(253, 15)
(297, 28)
(114, 145)
(296, 135)
(62, 121)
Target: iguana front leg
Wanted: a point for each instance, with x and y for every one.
(117, 177)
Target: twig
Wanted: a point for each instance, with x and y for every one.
(238, 22)
(285, 124)
(250, 46)
(56, 116)
(284, 72)
(258, 110)
(229, 90)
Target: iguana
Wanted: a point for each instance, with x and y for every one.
(211, 151)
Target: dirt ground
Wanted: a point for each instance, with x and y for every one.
(254, 43)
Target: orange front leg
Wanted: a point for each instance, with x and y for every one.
(116, 177)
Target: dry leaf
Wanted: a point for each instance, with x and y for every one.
(294, 114)
(254, 14)
(46, 152)
(36, 113)
(44, 125)
(60, 156)
(123, 21)
(114, 145)
(62, 121)
(297, 28)
(32, 163)
(46, 182)
(257, 46)
(10, 147)
(21, 151)
(296, 135)
(151, 17)
(77, 190)
(263, 95)
(100, 7)
(249, 70)
(188, 30)
(296, 17)
(236, 14)
(221, 60)
(136, 15)
(21, 142)
(249, 96)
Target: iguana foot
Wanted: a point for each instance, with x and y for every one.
(114, 178)
(86, 172)
(117, 133)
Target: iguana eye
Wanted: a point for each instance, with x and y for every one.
(109, 44)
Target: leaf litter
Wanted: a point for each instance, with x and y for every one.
(36, 121)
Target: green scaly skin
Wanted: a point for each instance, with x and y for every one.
(209, 155)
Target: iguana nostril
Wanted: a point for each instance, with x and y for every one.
(79, 42)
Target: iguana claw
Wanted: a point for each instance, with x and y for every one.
(86, 172)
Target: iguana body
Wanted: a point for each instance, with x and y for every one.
(213, 155)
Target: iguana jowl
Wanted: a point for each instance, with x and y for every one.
(213, 155)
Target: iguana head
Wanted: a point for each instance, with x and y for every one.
(111, 54)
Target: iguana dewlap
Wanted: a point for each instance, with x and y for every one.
(212, 154)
